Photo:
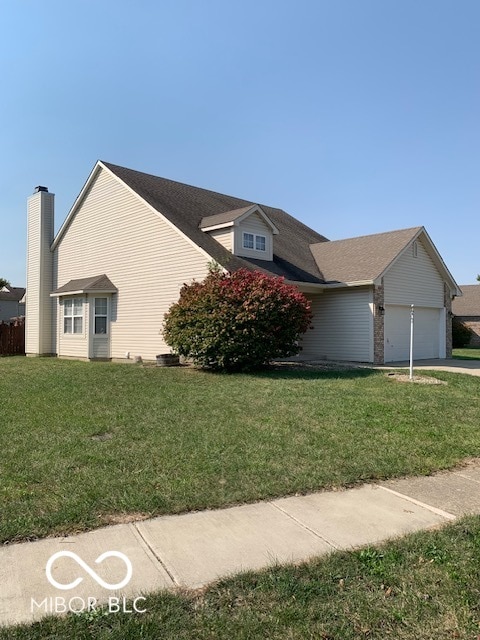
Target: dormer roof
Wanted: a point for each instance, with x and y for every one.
(234, 218)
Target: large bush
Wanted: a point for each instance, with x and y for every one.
(461, 334)
(237, 321)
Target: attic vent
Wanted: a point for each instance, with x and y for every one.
(415, 249)
(38, 189)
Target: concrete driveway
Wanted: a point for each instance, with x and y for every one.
(471, 367)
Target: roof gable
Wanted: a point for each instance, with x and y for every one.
(15, 294)
(363, 258)
(234, 218)
(367, 258)
(184, 207)
(300, 253)
(469, 302)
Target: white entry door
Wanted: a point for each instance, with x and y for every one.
(99, 346)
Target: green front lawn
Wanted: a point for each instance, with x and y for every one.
(467, 353)
(423, 587)
(87, 444)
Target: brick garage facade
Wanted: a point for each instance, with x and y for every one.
(473, 323)
(378, 325)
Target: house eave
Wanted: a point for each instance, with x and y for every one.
(307, 287)
(319, 287)
(60, 294)
(214, 227)
(348, 285)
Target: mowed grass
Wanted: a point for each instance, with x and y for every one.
(423, 587)
(87, 444)
(467, 353)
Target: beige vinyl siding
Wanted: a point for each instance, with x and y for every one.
(38, 309)
(75, 345)
(414, 280)
(342, 326)
(224, 237)
(115, 233)
(256, 225)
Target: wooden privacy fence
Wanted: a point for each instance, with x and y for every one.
(12, 338)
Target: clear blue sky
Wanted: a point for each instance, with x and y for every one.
(355, 116)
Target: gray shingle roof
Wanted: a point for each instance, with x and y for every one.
(94, 283)
(185, 206)
(363, 258)
(469, 303)
(13, 293)
(222, 218)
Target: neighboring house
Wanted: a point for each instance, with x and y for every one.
(12, 303)
(467, 310)
(101, 287)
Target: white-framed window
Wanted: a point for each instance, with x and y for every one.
(415, 249)
(254, 241)
(100, 313)
(73, 315)
(260, 243)
(248, 240)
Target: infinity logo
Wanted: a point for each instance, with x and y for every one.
(91, 572)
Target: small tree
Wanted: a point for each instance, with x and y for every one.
(4, 283)
(237, 321)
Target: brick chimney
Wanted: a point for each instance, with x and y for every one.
(38, 312)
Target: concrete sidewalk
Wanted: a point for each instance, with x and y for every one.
(195, 549)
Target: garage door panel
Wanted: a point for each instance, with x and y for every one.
(426, 342)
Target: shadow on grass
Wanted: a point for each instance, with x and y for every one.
(300, 372)
(312, 373)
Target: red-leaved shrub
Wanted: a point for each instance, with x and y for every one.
(237, 321)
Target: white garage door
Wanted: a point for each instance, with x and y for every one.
(427, 333)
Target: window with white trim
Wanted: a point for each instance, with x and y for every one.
(254, 241)
(260, 243)
(248, 239)
(73, 316)
(415, 249)
(100, 315)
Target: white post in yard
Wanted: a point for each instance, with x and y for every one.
(412, 313)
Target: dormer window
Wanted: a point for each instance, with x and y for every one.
(247, 232)
(254, 241)
(260, 243)
(248, 240)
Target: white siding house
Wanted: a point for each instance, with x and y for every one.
(342, 326)
(101, 287)
(414, 279)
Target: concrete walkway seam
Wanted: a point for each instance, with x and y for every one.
(461, 475)
(144, 542)
(309, 529)
(435, 510)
